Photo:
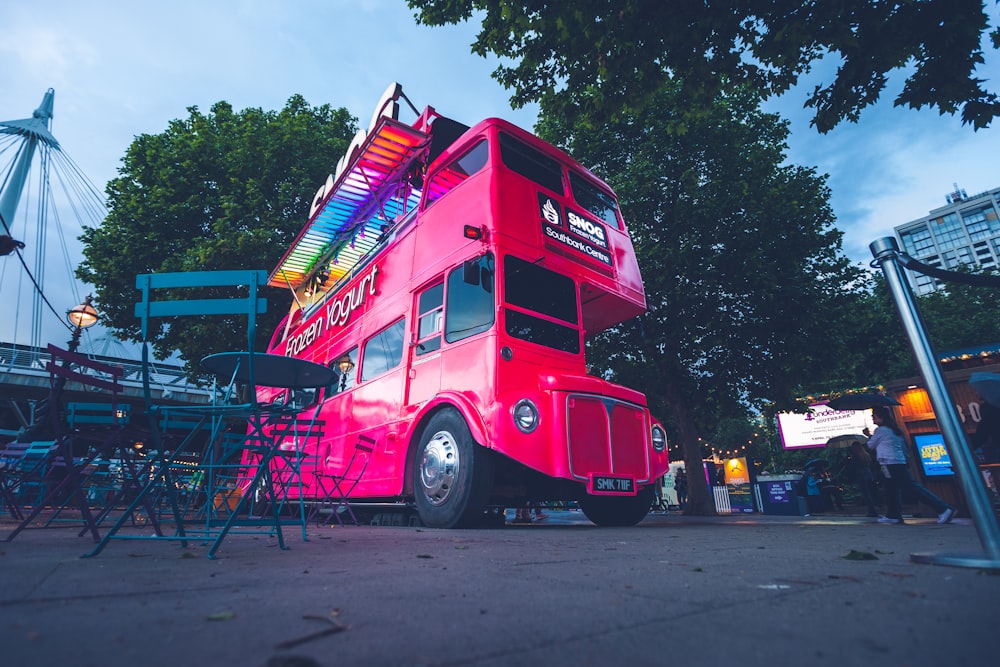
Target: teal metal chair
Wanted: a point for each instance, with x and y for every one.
(90, 431)
(297, 443)
(181, 295)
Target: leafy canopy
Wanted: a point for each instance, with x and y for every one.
(741, 262)
(216, 191)
(625, 49)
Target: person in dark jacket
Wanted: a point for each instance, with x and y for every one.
(858, 470)
(986, 439)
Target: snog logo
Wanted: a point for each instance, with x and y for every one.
(592, 231)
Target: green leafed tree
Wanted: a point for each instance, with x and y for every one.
(742, 266)
(216, 191)
(961, 316)
(625, 50)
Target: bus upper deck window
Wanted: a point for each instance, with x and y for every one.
(457, 171)
(530, 163)
(595, 200)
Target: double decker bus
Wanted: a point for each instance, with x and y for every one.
(449, 276)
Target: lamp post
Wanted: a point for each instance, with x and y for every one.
(81, 317)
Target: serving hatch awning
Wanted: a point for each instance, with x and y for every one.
(370, 194)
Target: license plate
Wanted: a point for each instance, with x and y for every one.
(611, 485)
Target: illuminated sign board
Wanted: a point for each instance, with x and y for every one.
(386, 106)
(934, 455)
(814, 428)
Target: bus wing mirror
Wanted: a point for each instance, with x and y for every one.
(470, 272)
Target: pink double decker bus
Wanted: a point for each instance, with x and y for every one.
(449, 275)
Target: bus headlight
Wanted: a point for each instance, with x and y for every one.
(659, 438)
(525, 416)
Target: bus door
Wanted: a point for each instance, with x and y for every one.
(376, 405)
(335, 413)
(424, 381)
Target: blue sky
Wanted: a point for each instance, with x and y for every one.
(124, 68)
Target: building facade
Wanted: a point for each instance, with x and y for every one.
(965, 232)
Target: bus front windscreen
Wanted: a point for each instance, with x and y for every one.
(541, 303)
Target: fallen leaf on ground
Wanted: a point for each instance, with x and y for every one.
(334, 627)
(221, 616)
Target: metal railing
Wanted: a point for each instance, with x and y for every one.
(27, 360)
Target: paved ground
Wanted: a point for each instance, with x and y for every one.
(743, 590)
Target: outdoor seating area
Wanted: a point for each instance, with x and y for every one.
(63, 463)
(177, 472)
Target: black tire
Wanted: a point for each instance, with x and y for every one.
(452, 474)
(618, 510)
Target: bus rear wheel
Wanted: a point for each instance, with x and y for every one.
(618, 510)
(452, 474)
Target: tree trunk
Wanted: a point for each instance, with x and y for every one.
(700, 499)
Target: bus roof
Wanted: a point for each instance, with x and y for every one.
(374, 191)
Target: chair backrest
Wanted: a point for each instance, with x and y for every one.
(69, 366)
(163, 295)
(81, 415)
(27, 457)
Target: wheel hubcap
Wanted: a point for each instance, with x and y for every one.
(439, 467)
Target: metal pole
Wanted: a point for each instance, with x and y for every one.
(886, 253)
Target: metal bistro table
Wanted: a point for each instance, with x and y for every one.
(268, 370)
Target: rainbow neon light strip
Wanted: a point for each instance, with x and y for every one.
(369, 196)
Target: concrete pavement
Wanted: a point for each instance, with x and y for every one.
(743, 589)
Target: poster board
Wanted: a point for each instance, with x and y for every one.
(814, 428)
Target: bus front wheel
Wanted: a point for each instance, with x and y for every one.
(618, 510)
(453, 475)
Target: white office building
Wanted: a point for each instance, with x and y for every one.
(965, 232)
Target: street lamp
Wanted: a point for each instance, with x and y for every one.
(81, 317)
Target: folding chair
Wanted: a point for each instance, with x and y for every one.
(79, 440)
(292, 436)
(23, 468)
(250, 448)
(335, 488)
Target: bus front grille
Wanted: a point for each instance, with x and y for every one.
(606, 436)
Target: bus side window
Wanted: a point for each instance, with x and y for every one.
(344, 368)
(457, 171)
(383, 351)
(429, 317)
(470, 308)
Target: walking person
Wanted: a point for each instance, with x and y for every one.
(858, 469)
(890, 452)
(681, 487)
